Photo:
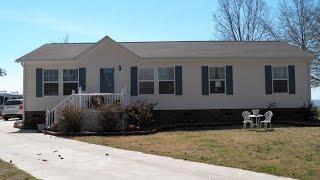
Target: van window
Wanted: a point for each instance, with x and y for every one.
(13, 102)
(1, 100)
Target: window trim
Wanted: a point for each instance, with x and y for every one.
(154, 77)
(174, 79)
(225, 79)
(280, 79)
(49, 82)
(70, 81)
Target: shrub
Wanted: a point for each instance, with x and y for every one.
(70, 119)
(310, 111)
(97, 101)
(140, 115)
(275, 110)
(272, 106)
(109, 116)
(54, 127)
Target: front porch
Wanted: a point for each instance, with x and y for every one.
(88, 102)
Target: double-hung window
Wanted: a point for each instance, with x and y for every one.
(146, 80)
(217, 78)
(50, 82)
(70, 81)
(166, 80)
(280, 79)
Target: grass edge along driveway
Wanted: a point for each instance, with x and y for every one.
(9, 171)
(287, 151)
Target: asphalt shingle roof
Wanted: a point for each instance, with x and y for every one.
(56, 51)
(177, 49)
(214, 49)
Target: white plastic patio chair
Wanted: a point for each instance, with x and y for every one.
(246, 119)
(268, 116)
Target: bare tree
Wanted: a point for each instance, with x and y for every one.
(66, 39)
(242, 20)
(299, 25)
(315, 67)
(2, 72)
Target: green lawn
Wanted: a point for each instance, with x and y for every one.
(289, 151)
(10, 172)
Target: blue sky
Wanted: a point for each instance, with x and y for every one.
(26, 25)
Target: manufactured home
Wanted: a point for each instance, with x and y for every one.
(190, 81)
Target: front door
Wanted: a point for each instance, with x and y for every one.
(107, 80)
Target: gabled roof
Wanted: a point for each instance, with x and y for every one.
(172, 49)
(106, 39)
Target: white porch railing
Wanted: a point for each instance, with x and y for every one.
(85, 102)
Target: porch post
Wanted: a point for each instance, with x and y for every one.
(47, 118)
(79, 94)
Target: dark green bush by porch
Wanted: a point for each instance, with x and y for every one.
(109, 116)
(71, 119)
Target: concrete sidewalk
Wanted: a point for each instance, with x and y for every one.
(38, 154)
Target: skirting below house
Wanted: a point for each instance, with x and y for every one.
(170, 118)
(205, 117)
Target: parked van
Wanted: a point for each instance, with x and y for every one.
(13, 108)
(5, 96)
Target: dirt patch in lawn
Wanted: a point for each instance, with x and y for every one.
(9, 172)
(288, 151)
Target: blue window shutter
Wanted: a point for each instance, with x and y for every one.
(82, 78)
(134, 81)
(229, 80)
(205, 80)
(292, 80)
(178, 79)
(268, 79)
(39, 81)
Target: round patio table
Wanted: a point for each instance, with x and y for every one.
(257, 118)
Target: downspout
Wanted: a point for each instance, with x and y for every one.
(309, 83)
(24, 92)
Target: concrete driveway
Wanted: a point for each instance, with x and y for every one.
(38, 154)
